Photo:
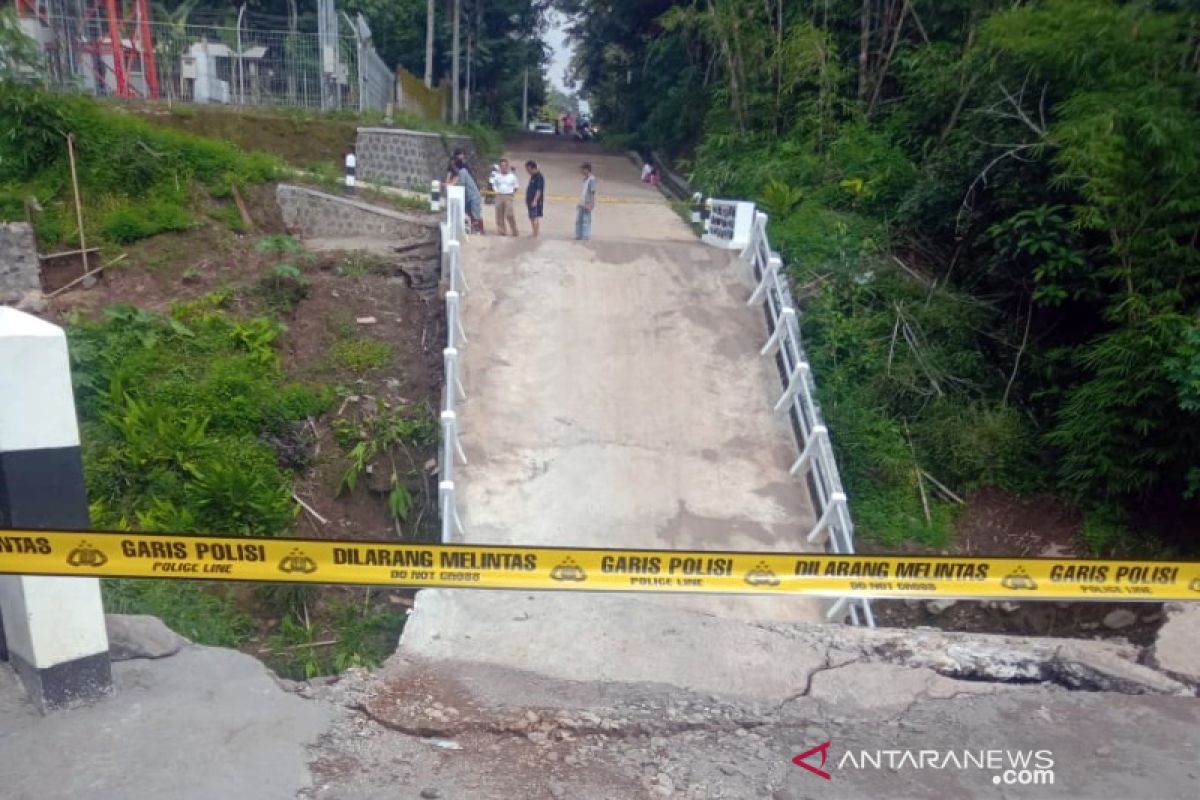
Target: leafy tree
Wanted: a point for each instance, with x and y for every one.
(1036, 160)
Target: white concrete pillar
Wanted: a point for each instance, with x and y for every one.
(53, 627)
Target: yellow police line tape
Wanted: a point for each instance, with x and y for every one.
(602, 199)
(140, 555)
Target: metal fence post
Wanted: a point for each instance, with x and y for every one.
(53, 627)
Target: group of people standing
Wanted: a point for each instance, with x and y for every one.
(505, 184)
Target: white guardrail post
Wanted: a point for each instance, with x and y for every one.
(451, 450)
(51, 629)
(816, 463)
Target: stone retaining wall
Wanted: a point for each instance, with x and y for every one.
(404, 159)
(311, 213)
(19, 279)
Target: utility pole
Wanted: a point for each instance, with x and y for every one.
(429, 44)
(525, 102)
(455, 47)
(470, 61)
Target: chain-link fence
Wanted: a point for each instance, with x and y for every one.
(336, 69)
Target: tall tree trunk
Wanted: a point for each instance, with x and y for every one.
(864, 46)
(429, 16)
(455, 48)
(731, 51)
(291, 68)
(886, 63)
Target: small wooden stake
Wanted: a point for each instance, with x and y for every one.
(78, 205)
(247, 220)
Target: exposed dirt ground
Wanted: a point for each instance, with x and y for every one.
(998, 523)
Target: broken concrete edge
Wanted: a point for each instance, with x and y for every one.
(407, 132)
(1176, 649)
(132, 636)
(1170, 667)
(1077, 664)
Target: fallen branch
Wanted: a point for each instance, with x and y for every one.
(65, 253)
(920, 479)
(915, 275)
(85, 276)
(944, 489)
(302, 645)
(892, 346)
(809, 289)
(1011, 152)
(404, 248)
(1020, 352)
(247, 220)
(316, 437)
(309, 509)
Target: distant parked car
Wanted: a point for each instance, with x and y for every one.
(543, 128)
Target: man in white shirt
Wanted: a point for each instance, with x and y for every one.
(506, 185)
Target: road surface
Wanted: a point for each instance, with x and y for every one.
(615, 398)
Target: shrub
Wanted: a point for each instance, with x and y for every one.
(360, 356)
(130, 222)
(980, 444)
(177, 418)
(284, 287)
(202, 613)
(133, 174)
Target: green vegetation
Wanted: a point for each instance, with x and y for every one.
(284, 287)
(136, 179)
(375, 439)
(175, 414)
(360, 356)
(358, 636)
(990, 212)
(189, 426)
(201, 612)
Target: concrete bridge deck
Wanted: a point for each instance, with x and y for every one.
(615, 398)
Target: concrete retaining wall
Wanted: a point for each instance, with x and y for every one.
(311, 214)
(405, 159)
(18, 263)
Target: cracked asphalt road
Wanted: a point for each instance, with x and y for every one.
(424, 728)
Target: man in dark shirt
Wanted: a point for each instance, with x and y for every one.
(535, 196)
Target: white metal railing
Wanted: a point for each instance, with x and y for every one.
(451, 450)
(816, 463)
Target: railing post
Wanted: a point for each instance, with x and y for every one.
(458, 280)
(835, 498)
(838, 609)
(781, 325)
(796, 380)
(449, 506)
(769, 273)
(53, 628)
(450, 431)
(811, 448)
(455, 310)
(456, 201)
(450, 367)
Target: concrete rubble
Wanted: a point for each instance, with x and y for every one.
(140, 636)
(1177, 649)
